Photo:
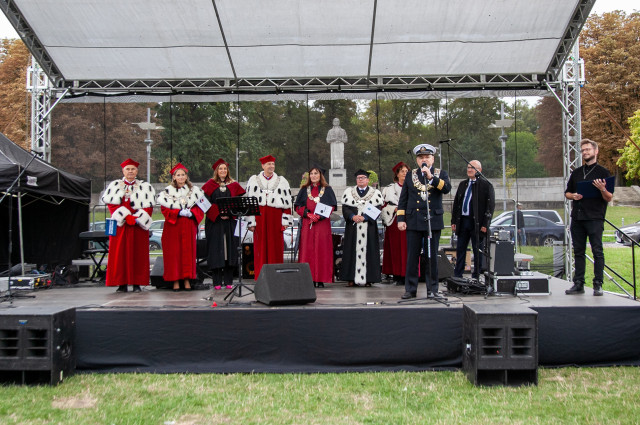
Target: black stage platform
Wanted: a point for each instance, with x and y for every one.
(346, 329)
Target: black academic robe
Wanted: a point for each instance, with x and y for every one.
(222, 245)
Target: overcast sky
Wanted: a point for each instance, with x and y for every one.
(7, 31)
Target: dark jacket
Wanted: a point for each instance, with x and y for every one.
(412, 209)
(486, 202)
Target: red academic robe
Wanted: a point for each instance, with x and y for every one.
(268, 243)
(316, 243)
(179, 243)
(128, 262)
(394, 256)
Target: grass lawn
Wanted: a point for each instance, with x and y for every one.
(563, 396)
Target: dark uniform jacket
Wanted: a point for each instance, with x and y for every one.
(486, 203)
(412, 209)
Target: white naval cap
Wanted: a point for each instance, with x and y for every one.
(424, 149)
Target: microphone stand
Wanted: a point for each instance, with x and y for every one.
(476, 220)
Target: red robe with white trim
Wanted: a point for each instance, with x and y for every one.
(394, 257)
(274, 198)
(128, 261)
(179, 234)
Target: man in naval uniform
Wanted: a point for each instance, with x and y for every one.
(420, 210)
(274, 198)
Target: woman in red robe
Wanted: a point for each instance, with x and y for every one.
(316, 244)
(222, 244)
(394, 257)
(178, 203)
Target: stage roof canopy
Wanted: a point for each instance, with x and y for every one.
(297, 46)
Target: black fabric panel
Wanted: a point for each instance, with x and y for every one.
(588, 336)
(50, 231)
(282, 340)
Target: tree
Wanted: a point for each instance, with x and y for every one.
(611, 50)
(630, 158)
(549, 135)
(91, 140)
(521, 150)
(14, 114)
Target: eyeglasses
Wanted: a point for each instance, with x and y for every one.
(361, 177)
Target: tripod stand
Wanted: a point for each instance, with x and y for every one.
(239, 207)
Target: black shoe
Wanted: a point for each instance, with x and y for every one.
(122, 288)
(320, 284)
(407, 295)
(577, 288)
(136, 288)
(597, 289)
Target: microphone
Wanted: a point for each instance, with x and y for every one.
(424, 165)
(409, 151)
(445, 141)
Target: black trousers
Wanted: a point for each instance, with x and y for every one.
(218, 274)
(466, 233)
(580, 231)
(416, 241)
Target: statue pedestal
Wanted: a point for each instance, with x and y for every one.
(338, 178)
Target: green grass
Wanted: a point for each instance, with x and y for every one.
(563, 396)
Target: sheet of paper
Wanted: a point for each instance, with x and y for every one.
(371, 211)
(323, 210)
(204, 204)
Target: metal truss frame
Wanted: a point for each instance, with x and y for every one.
(572, 80)
(306, 85)
(40, 89)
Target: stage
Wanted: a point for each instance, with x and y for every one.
(347, 329)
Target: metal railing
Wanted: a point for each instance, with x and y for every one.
(633, 264)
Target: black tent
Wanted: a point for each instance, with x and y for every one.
(52, 206)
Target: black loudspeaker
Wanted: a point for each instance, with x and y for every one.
(283, 284)
(502, 258)
(445, 268)
(247, 261)
(156, 275)
(500, 345)
(37, 345)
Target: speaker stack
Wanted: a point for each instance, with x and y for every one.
(285, 284)
(37, 345)
(500, 345)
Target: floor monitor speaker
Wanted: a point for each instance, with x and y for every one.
(284, 284)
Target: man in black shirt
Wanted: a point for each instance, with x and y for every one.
(587, 217)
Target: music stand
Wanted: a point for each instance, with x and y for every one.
(239, 207)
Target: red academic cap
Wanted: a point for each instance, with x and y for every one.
(218, 162)
(398, 166)
(177, 167)
(266, 159)
(129, 161)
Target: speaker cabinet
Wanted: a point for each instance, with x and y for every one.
(500, 345)
(283, 284)
(501, 258)
(445, 268)
(37, 345)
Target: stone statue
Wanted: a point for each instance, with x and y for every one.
(337, 137)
